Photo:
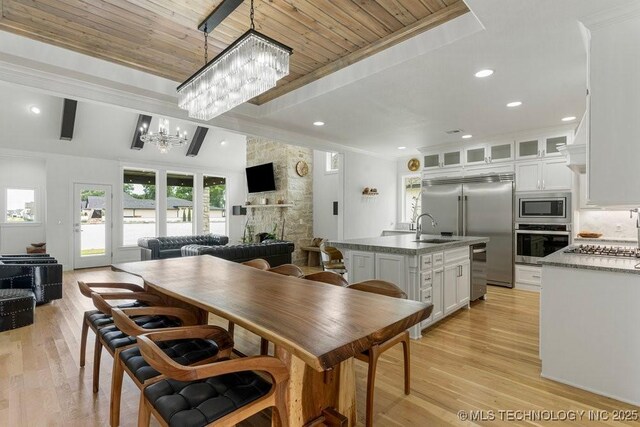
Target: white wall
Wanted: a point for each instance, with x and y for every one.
(96, 155)
(367, 217)
(326, 190)
(22, 172)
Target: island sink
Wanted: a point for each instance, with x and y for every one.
(434, 241)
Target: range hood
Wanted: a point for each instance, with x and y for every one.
(576, 153)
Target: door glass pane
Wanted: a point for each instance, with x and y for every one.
(553, 143)
(431, 161)
(93, 238)
(179, 204)
(214, 205)
(528, 148)
(499, 152)
(138, 206)
(452, 158)
(475, 155)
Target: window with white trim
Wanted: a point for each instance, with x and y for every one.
(411, 198)
(21, 206)
(139, 205)
(331, 162)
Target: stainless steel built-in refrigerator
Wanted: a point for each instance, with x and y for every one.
(476, 206)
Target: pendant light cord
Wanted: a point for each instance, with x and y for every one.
(251, 13)
(206, 45)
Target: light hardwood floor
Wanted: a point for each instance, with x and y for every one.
(483, 358)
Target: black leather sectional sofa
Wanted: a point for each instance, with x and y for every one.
(276, 252)
(40, 274)
(169, 247)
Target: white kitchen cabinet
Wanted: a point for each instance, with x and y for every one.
(463, 289)
(449, 293)
(556, 175)
(361, 266)
(528, 176)
(528, 277)
(539, 148)
(614, 103)
(437, 284)
(500, 152)
(442, 159)
(495, 152)
(391, 268)
(441, 278)
(549, 175)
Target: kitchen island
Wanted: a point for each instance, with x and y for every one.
(589, 321)
(435, 270)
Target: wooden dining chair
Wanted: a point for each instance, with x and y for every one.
(288, 270)
(192, 396)
(216, 344)
(328, 277)
(372, 355)
(113, 339)
(94, 319)
(258, 263)
(332, 259)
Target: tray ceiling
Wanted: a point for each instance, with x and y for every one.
(161, 37)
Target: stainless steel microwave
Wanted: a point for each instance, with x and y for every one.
(543, 207)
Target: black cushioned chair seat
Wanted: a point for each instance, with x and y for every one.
(184, 352)
(198, 403)
(16, 308)
(98, 319)
(115, 338)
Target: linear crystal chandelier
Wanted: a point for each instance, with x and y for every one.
(164, 140)
(248, 67)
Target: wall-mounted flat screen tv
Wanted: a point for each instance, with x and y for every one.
(260, 178)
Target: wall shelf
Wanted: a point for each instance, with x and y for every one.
(283, 205)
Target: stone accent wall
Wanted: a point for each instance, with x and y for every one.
(293, 189)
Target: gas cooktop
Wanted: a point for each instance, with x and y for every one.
(601, 250)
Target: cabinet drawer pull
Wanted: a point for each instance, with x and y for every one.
(535, 276)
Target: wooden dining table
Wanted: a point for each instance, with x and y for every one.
(316, 328)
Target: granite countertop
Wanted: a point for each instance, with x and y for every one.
(591, 262)
(405, 245)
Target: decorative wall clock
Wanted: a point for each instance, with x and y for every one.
(413, 164)
(302, 168)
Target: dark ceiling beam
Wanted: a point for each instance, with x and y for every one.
(68, 119)
(137, 143)
(196, 141)
(219, 14)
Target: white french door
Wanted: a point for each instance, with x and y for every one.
(92, 223)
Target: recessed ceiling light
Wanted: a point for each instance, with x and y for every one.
(467, 136)
(34, 110)
(568, 119)
(484, 73)
(223, 142)
(402, 148)
(318, 123)
(514, 104)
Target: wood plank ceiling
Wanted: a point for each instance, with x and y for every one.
(161, 37)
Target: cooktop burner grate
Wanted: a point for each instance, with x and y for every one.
(602, 250)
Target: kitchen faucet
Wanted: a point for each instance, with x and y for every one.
(433, 224)
(637, 211)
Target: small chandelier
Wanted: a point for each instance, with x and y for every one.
(163, 140)
(250, 66)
